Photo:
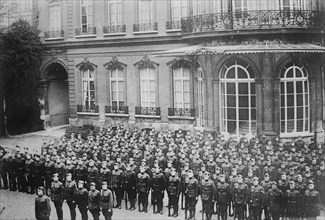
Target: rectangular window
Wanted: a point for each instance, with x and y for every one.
(179, 9)
(55, 16)
(181, 88)
(239, 5)
(148, 87)
(88, 90)
(117, 88)
(197, 7)
(86, 8)
(294, 5)
(146, 11)
(114, 12)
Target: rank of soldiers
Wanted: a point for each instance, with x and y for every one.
(238, 177)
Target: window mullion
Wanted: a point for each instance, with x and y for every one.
(295, 104)
(304, 104)
(237, 108)
(226, 106)
(285, 108)
(249, 109)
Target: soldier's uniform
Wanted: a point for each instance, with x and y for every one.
(70, 168)
(320, 182)
(143, 187)
(183, 176)
(94, 201)
(39, 172)
(211, 166)
(57, 196)
(81, 173)
(157, 191)
(105, 175)
(70, 196)
(240, 198)
(191, 194)
(311, 202)
(106, 202)
(93, 175)
(223, 197)
(173, 191)
(82, 200)
(117, 185)
(301, 186)
(292, 202)
(48, 173)
(29, 167)
(256, 200)
(207, 191)
(21, 179)
(4, 170)
(129, 185)
(59, 168)
(274, 201)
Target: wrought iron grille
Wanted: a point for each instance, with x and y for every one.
(114, 29)
(181, 112)
(264, 19)
(88, 109)
(86, 31)
(173, 25)
(117, 110)
(147, 111)
(145, 27)
(54, 34)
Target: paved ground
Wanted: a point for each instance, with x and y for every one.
(15, 205)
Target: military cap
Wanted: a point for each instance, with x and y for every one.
(240, 176)
(84, 154)
(81, 181)
(292, 182)
(69, 174)
(206, 173)
(55, 175)
(310, 182)
(223, 176)
(104, 183)
(92, 184)
(255, 178)
(186, 164)
(202, 165)
(116, 164)
(190, 171)
(274, 183)
(266, 175)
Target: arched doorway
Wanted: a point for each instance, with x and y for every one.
(57, 97)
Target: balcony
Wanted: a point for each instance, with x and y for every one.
(181, 113)
(145, 28)
(147, 112)
(54, 35)
(87, 110)
(173, 26)
(117, 111)
(252, 20)
(86, 32)
(114, 30)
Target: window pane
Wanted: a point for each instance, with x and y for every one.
(299, 74)
(114, 95)
(299, 87)
(290, 73)
(231, 101)
(243, 101)
(282, 87)
(290, 113)
(243, 114)
(253, 114)
(186, 86)
(186, 97)
(282, 113)
(231, 126)
(282, 126)
(231, 113)
(290, 100)
(300, 113)
(243, 88)
(231, 73)
(300, 125)
(290, 127)
(121, 86)
(241, 73)
(231, 89)
(282, 100)
(244, 127)
(113, 85)
(290, 88)
(300, 100)
(92, 85)
(152, 86)
(253, 101)
(121, 95)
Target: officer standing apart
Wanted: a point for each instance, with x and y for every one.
(106, 201)
(94, 201)
(57, 195)
(82, 200)
(42, 205)
(70, 195)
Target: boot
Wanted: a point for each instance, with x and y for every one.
(160, 209)
(169, 211)
(140, 207)
(145, 207)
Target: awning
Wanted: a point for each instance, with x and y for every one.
(243, 49)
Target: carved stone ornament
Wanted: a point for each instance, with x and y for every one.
(114, 64)
(86, 65)
(146, 63)
(178, 63)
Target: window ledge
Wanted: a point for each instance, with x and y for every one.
(173, 30)
(145, 32)
(88, 113)
(86, 36)
(117, 115)
(148, 116)
(54, 38)
(181, 118)
(114, 34)
(296, 134)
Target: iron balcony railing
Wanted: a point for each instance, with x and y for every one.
(123, 110)
(87, 109)
(114, 29)
(152, 111)
(181, 112)
(145, 27)
(86, 31)
(54, 34)
(264, 19)
(173, 25)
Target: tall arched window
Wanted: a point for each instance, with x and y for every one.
(200, 98)
(237, 98)
(294, 92)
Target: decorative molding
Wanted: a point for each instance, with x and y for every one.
(86, 65)
(146, 63)
(178, 63)
(114, 64)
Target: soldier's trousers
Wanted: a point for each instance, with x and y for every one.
(58, 208)
(190, 204)
(240, 211)
(4, 178)
(158, 200)
(83, 211)
(118, 194)
(107, 215)
(222, 210)
(22, 183)
(12, 182)
(256, 212)
(173, 202)
(132, 196)
(95, 213)
(143, 199)
(275, 215)
(30, 183)
(207, 208)
(48, 182)
(72, 208)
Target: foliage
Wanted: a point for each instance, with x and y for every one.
(21, 59)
